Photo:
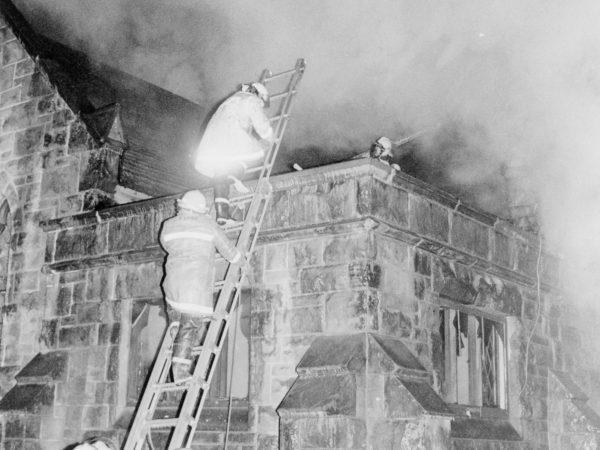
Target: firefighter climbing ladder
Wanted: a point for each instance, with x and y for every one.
(195, 390)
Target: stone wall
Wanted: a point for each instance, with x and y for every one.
(342, 251)
(47, 170)
(331, 261)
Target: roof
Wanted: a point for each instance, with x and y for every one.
(161, 128)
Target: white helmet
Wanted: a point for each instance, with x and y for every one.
(382, 147)
(259, 90)
(193, 201)
(262, 92)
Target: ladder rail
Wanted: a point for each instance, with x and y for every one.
(147, 405)
(284, 109)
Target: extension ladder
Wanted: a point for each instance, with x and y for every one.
(195, 390)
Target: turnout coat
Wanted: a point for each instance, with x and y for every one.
(191, 241)
(232, 137)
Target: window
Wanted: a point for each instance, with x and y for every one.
(474, 359)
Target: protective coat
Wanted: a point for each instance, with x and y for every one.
(232, 136)
(191, 241)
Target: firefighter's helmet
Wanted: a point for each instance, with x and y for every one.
(259, 90)
(193, 201)
(381, 147)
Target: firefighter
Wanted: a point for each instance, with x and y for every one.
(236, 139)
(382, 150)
(191, 239)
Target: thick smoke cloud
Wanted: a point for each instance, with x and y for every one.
(510, 83)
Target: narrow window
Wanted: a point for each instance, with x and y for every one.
(474, 359)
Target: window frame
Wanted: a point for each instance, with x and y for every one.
(449, 364)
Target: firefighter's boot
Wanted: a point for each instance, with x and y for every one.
(222, 210)
(186, 338)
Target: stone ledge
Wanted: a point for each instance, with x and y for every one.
(150, 254)
(491, 430)
(28, 397)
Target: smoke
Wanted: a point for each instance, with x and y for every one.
(511, 83)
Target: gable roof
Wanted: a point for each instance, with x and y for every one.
(161, 128)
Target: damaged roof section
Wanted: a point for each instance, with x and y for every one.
(160, 128)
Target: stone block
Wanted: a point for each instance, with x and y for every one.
(100, 284)
(267, 442)
(502, 254)
(341, 249)
(389, 203)
(387, 435)
(278, 212)
(429, 219)
(346, 312)
(422, 263)
(527, 258)
(364, 274)
(25, 67)
(28, 141)
(470, 235)
(276, 257)
(112, 369)
(49, 333)
(81, 242)
(19, 117)
(6, 34)
(396, 323)
(139, 281)
(14, 427)
(305, 320)
(97, 363)
(109, 333)
(89, 312)
(79, 138)
(10, 97)
(21, 166)
(12, 51)
(305, 253)
(336, 200)
(325, 278)
(62, 118)
(305, 204)
(133, 232)
(60, 181)
(262, 324)
(39, 85)
(64, 301)
(32, 398)
(75, 336)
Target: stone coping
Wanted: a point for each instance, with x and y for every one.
(289, 180)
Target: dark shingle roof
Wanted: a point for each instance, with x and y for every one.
(161, 128)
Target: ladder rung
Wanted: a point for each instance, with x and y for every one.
(236, 227)
(281, 94)
(166, 423)
(168, 387)
(279, 75)
(276, 118)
